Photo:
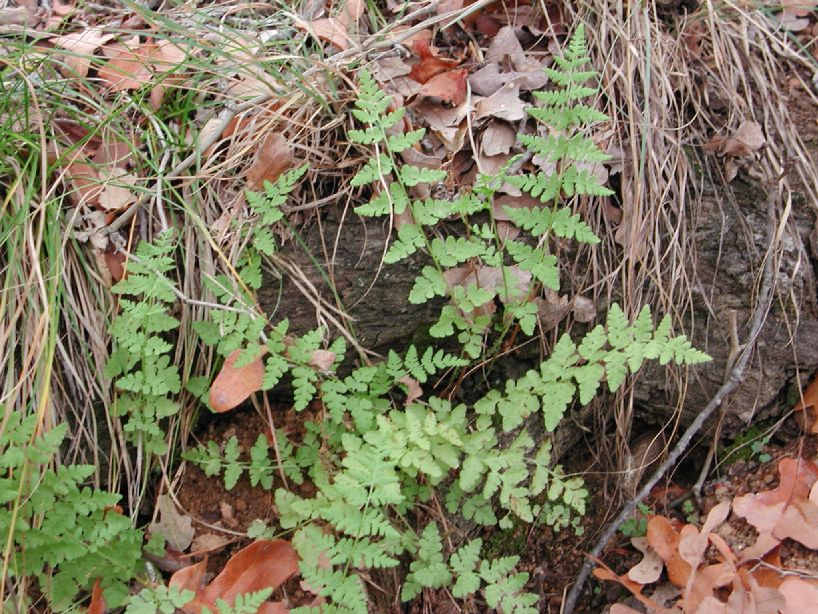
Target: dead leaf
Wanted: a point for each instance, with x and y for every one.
(801, 596)
(272, 158)
(603, 572)
(747, 139)
(786, 511)
(329, 29)
(86, 182)
(176, 528)
(322, 359)
(795, 16)
(389, 68)
(649, 569)
(208, 542)
(234, 384)
(504, 104)
(17, 16)
(664, 539)
(262, 564)
(117, 192)
(97, 604)
(353, 10)
(497, 138)
(448, 88)
(190, 578)
(81, 47)
(128, 67)
(413, 389)
(430, 63)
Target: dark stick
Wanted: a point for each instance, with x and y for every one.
(732, 382)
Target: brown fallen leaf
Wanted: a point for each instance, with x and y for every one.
(117, 192)
(649, 569)
(272, 158)
(128, 66)
(190, 578)
(234, 384)
(801, 595)
(262, 564)
(80, 47)
(497, 138)
(664, 539)
(86, 182)
(448, 88)
(208, 542)
(413, 389)
(97, 604)
(746, 140)
(176, 528)
(329, 29)
(786, 511)
(505, 104)
(430, 63)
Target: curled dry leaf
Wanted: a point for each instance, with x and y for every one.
(786, 511)
(128, 66)
(430, 63)
(86, 182)
(80, 47)
(208, 542)
(329, 29)
(448, 88)
(747, 139)
(272, 158)
(413, 389)
(176, 528)
(97, 604)
(649, 569)
(234, 384)
(504, 104)
(664, 539)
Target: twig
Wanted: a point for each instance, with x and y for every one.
(735, 378)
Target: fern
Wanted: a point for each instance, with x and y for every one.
(65, 535)
(140, 360)
(164, 599)
(243, 604)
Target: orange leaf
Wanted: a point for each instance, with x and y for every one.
(262, 564)
(664, 539)
(234, 384)
(448, 88)
(97, 605)
(785, 511)
(430, 64)
(272, 158)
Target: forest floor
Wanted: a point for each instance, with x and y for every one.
(145, 117)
